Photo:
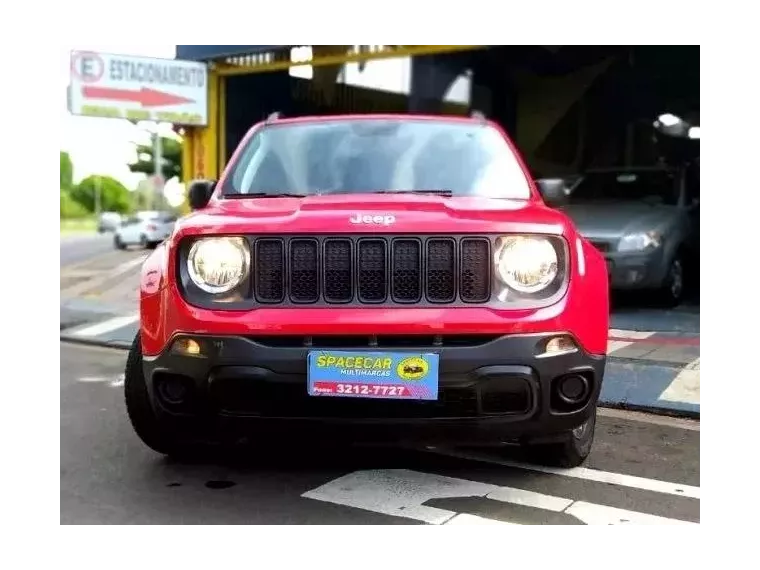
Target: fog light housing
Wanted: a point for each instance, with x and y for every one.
(173, 390)
(573, 388)
(558, 345)
(188, 347)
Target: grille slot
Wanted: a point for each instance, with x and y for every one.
(371, 270)
(407, 270)
(439, 274)
(270, 270)
(475, 270)
(304, 271)
(338, 274)
(372, 274)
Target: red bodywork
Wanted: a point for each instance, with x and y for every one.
(583, 310)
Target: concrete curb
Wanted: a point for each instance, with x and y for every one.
(115, 344)
(653, 409)
(656, 410)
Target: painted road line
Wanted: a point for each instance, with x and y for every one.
(83, 286)
(96, 264)
(661, 340)
(403, 493)
(104, 327)
(593, 514)
(465, 519)
(113, 381)
(629, 335)
(618, 339)
(685, 386)
(596, 475)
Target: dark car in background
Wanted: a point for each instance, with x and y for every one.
(645, 221)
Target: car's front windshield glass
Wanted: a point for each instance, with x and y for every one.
(656, 187)
(377, 155)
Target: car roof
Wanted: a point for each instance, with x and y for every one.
(377, 116)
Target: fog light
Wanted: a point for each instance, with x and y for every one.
(558, 345)
(187, 347)
(573, 388)
(634, 276)
(173, 390)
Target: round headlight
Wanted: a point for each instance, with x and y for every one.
(218, 265)
(526, 264)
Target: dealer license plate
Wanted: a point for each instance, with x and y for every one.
(389, 375)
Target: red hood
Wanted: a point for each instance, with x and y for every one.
(388, 213)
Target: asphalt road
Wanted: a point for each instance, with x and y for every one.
(639, 472)
(77, 248)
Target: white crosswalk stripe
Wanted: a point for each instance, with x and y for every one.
(106, 326)
(405, 493)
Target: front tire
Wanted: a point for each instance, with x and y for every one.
(571, 452)
(147, 425)
(671, 293)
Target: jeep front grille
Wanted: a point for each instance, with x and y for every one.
(371, 270)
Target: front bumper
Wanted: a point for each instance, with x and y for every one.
(491, 387)
(636, 270)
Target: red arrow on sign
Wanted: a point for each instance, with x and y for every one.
(145, 96)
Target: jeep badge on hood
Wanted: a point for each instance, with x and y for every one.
(385, 220)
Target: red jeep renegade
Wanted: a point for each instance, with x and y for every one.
(392, 277)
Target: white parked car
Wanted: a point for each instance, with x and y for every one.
(146, 229)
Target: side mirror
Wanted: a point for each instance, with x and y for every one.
(200, 193)
(553, 190)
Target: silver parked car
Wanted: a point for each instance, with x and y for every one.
(644, 220)
(109, 222)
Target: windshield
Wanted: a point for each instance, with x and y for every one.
(656, 186)
(342, 156)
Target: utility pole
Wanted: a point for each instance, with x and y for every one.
(157, 161)
(97, 195)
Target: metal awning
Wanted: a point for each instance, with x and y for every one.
(209, 50)
(209, 53)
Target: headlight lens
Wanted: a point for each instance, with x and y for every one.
(640, 241)
(526, 264)
(218, 265)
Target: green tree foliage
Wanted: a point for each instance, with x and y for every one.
(114, 196)
(70, 208)
(67, 171)
(171, 153)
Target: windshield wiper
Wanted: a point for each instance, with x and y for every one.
(436, 192)
(265, 195)
(238, 195)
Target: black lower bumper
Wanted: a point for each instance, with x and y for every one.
(490, 388)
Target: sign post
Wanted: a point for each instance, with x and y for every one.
(157, 160)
